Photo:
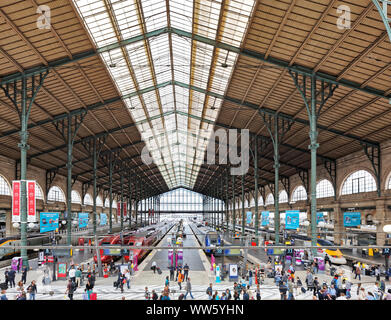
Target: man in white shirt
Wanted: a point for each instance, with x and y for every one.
(127, 275)
(72, 273)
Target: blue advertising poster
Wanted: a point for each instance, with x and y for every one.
(319, 217)
(48, 221)
(351, 219)
(292, 219)
(83, 219)
(249, 217)
(264, 218)
(103, 219)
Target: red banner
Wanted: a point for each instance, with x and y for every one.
(16, 197)
(31, 203)
(119, 208)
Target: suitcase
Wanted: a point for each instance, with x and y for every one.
(115, 284)
(303, 290)
(4, 286)
(93, 296)
(159, 271)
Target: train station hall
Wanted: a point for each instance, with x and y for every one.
(195, 150)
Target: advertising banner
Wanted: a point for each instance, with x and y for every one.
(16, 197)
(48, 221)
(62, 270)
(249, 217)
(264, 218)
(83, 219)
(319, 217)
(31, 201)
(351, 219)
(103, 219)
(119, 208)
(292, 219)
(233, 271)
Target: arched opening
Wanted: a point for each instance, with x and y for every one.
(358, 182)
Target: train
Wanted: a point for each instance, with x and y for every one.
(7, 244)
(325, 246)
(144, 237)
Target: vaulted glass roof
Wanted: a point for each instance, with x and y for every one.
(176, 140)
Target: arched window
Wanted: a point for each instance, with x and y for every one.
(260, 201)
(99, 202)
(357, 182)
(87, 200)
(283, 197)
(75, 197)
(114, 204)
(5, 188)
(56, 194)
(324, 189)
(38, 191)
(107, 203)
(269, 199)
(299, 194)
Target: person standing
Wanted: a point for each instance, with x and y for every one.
(258, 292)
(154, 295)
(127, 276)
(209, 291)
(250, 277)
(32, 290)
(24, 274)
(188, 289)
(357, 272)
(309, 280)
(283, 289)
(186, 271)
(6, 275)
(11, 278)
(290, 290)
(3, 295)
(167, 282)
(89, 287)
(171, 273)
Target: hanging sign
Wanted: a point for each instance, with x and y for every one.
(319, 217)
(16, 199)
(264, 218)
(249, 217)
(48, 221)
(292, 219)
(351, 219)
(31, 201)
(83, 219)
(103, 219)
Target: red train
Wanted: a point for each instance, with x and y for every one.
(138, 239)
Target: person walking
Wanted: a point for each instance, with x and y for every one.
(180, 280)
(32, 290)
(153, 267)
(122, 281)
(283, 289)
(186, 271)
(78, 277)
(309, 280)
(24, 274)
(357, 272)
(167, 282)
(290, 290)
(188, 289)
(6, 272)
(154, 295)
(72, 273)
(70, 289)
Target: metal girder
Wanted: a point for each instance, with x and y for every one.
(374, 156)
(383, 11)
(331, 167)
(303, 174)
(195, 37)
(50, 176)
